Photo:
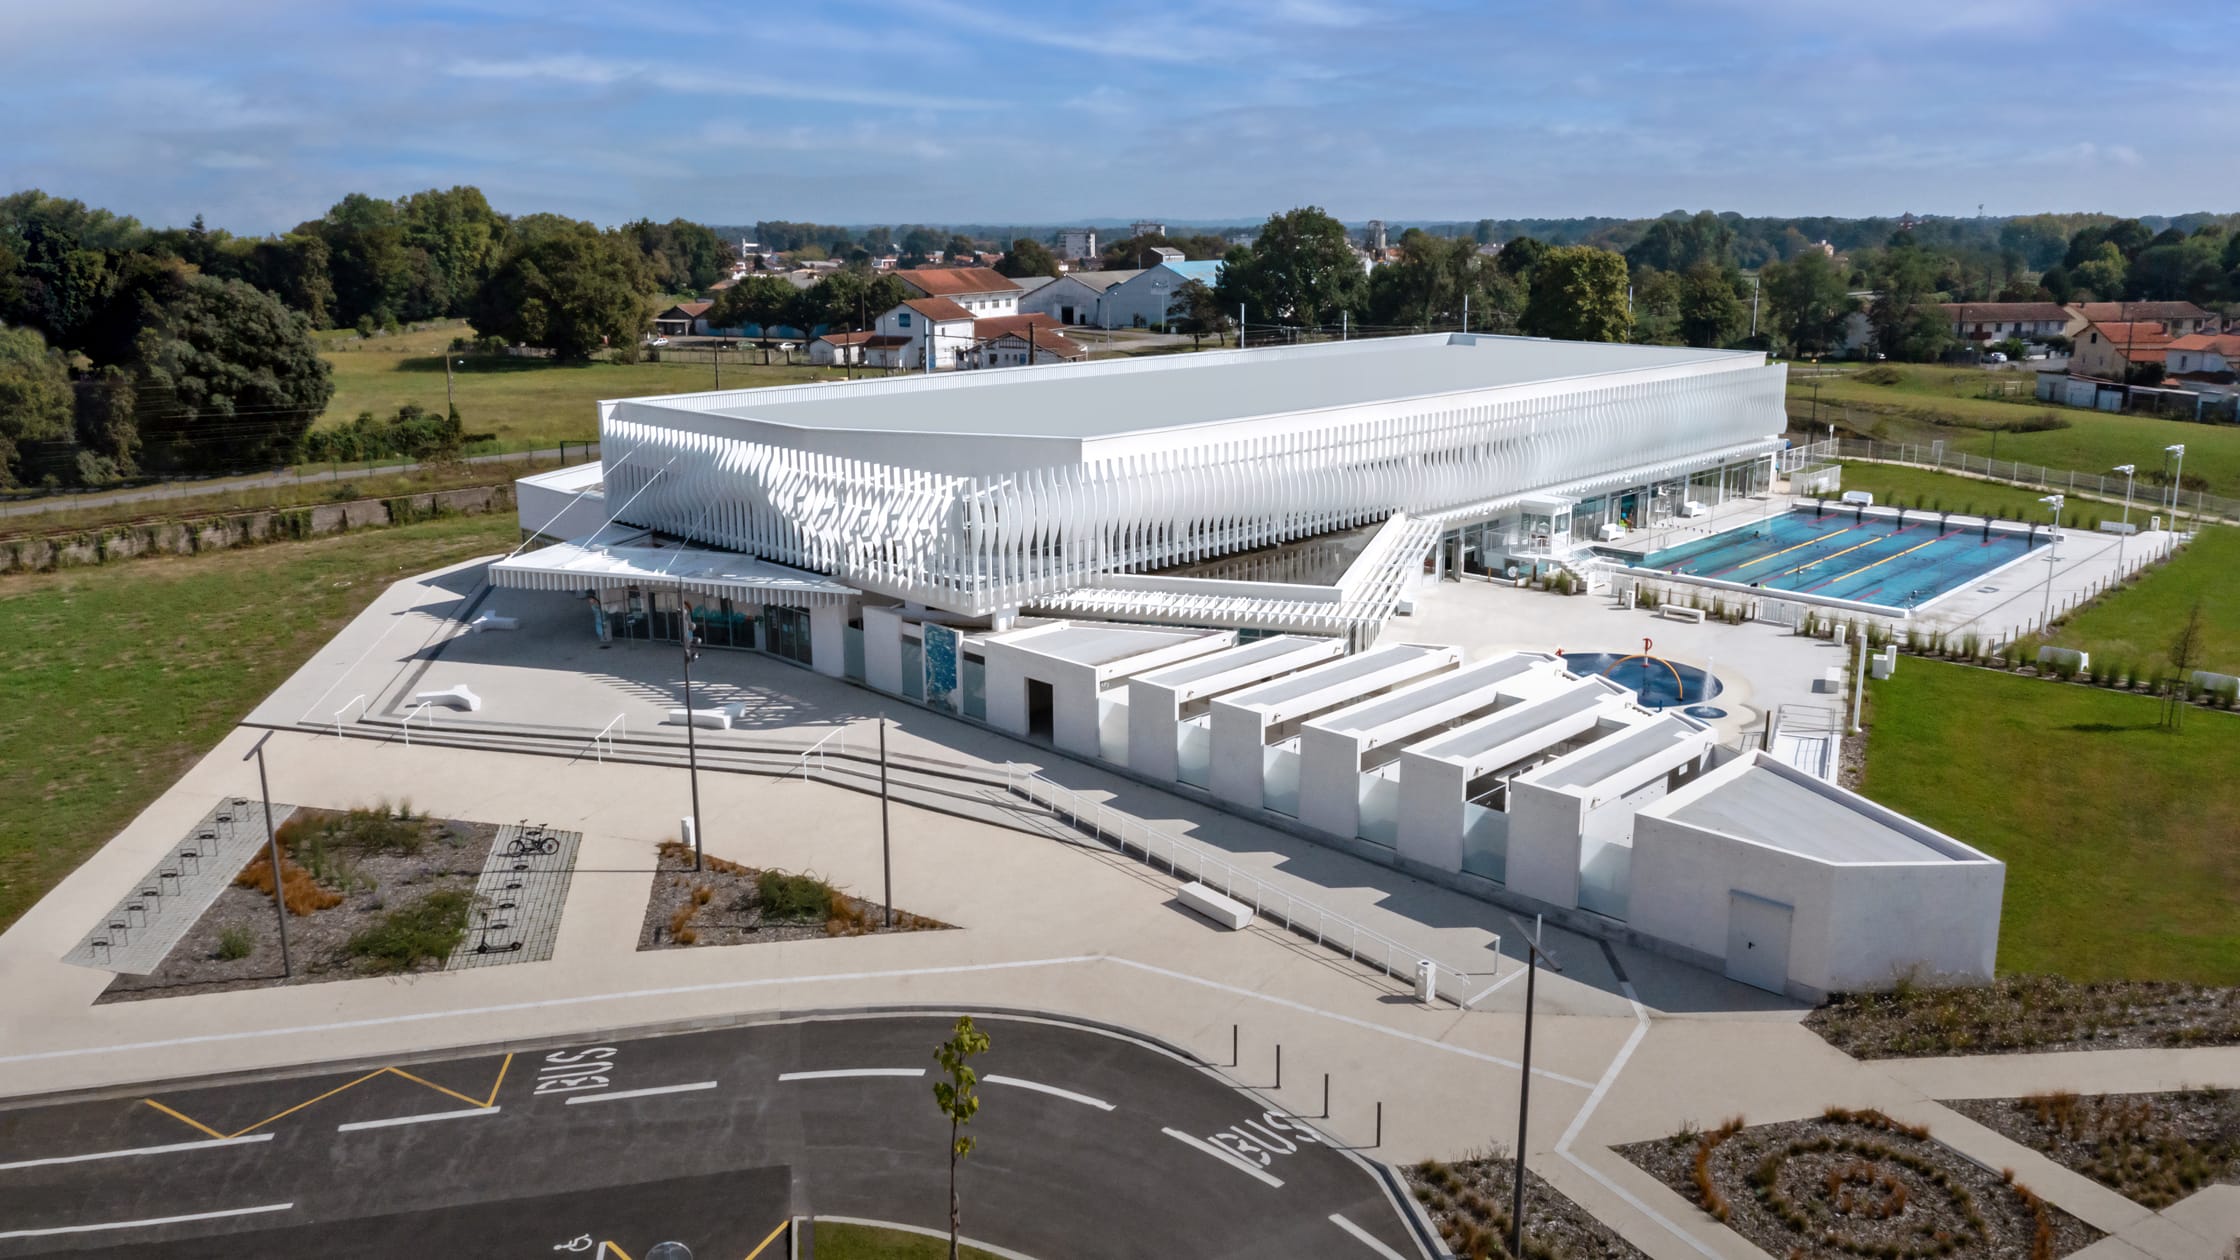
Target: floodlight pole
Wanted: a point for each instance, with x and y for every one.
(272, 847)
(2177, 480)
(886, 835)
(2053, 555)
(2128, 471)
(1533, 956)
(691, 727)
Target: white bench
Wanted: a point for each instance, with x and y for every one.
(1830, 681)
(720, 719)
(1222, 909)
(1675, 612)
(492, 621)
(459, 697)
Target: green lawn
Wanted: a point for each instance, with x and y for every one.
(1910, 411)
(869, 1242)
(1918, 487)
(2138, 624)
(118, 678)
(2119, 837)
(527, 403)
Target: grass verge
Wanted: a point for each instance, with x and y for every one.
(871, 1242)
(119, 677)
(2117, 834)
(2137, 625)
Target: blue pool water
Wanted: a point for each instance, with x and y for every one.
(1874, 560)
(1660, 683)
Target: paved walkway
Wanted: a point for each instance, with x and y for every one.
(155, 912)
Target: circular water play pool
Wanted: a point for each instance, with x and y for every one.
(1660, 683)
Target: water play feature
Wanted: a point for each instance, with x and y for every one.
(1661, 683)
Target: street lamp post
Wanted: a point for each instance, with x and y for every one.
(272, 847)
(1534, 956)
(2177, 478)
(691, 727)
(2053, 553)
(2130, 475)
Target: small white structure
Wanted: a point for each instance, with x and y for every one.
(1797, 886)
(1076, 298)
(980, 291)
(920, 327)
(1154, 295)
(1219, 907)
(460, 697)
(1255, 731)
(1169, 736)
(1064, 681)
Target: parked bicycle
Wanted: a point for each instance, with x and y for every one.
(532, 842)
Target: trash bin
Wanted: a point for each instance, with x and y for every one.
(1427, 980)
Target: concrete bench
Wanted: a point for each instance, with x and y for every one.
(1674, 612)
(720, 719)
(492, 621)
(1222, 909)
(459, 697)
(1830, 680)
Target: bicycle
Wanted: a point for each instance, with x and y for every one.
(532, 844)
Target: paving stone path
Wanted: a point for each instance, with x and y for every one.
(518, 899)
(136, 935)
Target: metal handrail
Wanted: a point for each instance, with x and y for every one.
(1333, 931)
(817, 750)
(408, 720)
(603, 734)
(359, 700)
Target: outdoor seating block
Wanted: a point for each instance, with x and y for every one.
(459, 697)
(1674, 612)
(1219, 907)
(720, 719)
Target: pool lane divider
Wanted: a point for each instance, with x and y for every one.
(1775, 555)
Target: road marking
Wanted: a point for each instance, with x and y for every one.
(136, 1150)
(836, 1073)
(764, 1245)
(1586, 1111)
(422, 1118)
(380, 1071)
(1222, 1155)
(52, 1231)
(643, 1093)
(1052, 1090)
(1365, 1237)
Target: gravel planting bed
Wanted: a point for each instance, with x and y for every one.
(363, 868)
(2021, 1013)
(1857, 1184)
(726, 903)
(1469, 1203)
(2152, 1148)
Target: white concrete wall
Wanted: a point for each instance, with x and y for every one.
(1431, 814)
(1073, 695)
(1330, 780)
(1544, 830)
(828, 639)
(1884, 921)
(1683, 877)
(1154, 713)
(882, 650)
(1239, 736)
(556, 505)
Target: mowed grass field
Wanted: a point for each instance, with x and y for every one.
(1903, 486)
(118, 678)
(2139, 624)
(2095, 441)
(529, 404)
(2119, 837)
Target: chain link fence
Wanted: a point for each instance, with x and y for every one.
(2151, 498)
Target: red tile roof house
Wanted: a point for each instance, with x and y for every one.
(2208, 362)
(927, 333)
(683, 319)
(2179, 319)
(1008, 341)
(979, 291)
(1980, 322)
(2108, 351)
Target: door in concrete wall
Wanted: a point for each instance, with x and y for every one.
(1042, 722)
(1758, 941)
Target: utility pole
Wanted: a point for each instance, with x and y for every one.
(1753, 306)
(450, 403)
(886, 834)
(2129, 472)
(272, 846)
(1345, 324)
(1240, 325)
(691, 728)
(1534, 956)
(719, 364)
(2053, 554)
(1466, 312)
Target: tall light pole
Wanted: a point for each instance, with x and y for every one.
(1533, 957)
(2177, 478)
(2053, 554)
(2130, 475)
(272, 847)
(691, 727)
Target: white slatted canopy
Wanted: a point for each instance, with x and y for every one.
(579, 566)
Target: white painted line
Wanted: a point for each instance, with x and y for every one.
(1052, 1090)
(1366, 1238)
(837, 1073)
(1235, 1161)
(422, 1118)
(145, 1224)
(942, 1234)
(642, 1093)
(201, 1145)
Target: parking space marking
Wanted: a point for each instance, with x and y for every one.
(1224, 1156)
(423, 1118)
(764, 1245)
(1052, 1090)
(99, 1226)
(137, 1150)
(837, 1073)
(642, 1093)
(1366, 1238)
(487, 1101)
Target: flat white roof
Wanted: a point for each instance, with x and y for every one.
(1092, 644)
(1241, 665)
(1785, 809)
(1212, 387)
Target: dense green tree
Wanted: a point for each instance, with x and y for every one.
(2041, 240)
(1435, 279)
(760, 300)
(462, 238)
(1656, 307)
(571, 293)
(1711, 312)
(682, 257)
(1202, 312)
(1579, 294)
(1678, 242)
(86, 227)
(378, 278)
(1300, 271)
(1807, 302)
(2102, 273)
(1028, 258)
(1520, 256)
(35, 399)
(1135, 252)
(2189, 269)
(848, 299)
(56, 283)
(223, 375)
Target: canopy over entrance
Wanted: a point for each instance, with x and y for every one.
(641, 560)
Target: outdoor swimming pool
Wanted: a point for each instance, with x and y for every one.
(1660, 683)
(1871, 559)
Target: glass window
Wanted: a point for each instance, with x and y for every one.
(903, 319)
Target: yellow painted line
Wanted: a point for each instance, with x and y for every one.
(764, 1245)
(1834, 554)
(605, 1247)
(184, 1118)
(1885, 560)
(1799, 547)
(468, 1099)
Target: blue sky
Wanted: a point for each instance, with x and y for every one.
(261, 114)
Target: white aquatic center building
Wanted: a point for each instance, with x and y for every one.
(1097, 555)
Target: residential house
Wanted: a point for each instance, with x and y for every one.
(978, 290)
(2180, 319)
(1076, 243)
(1009, 341)
(840, 349)
(2110, 351)
(683, 319)
(1076, 298)
(919, 330)
(1150, 296)
(2206, 362)
(1981, 322)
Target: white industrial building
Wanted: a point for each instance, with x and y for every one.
(1183, 566)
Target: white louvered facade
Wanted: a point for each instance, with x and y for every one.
(983, 492)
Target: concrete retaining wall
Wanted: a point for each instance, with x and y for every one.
(241, 529)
